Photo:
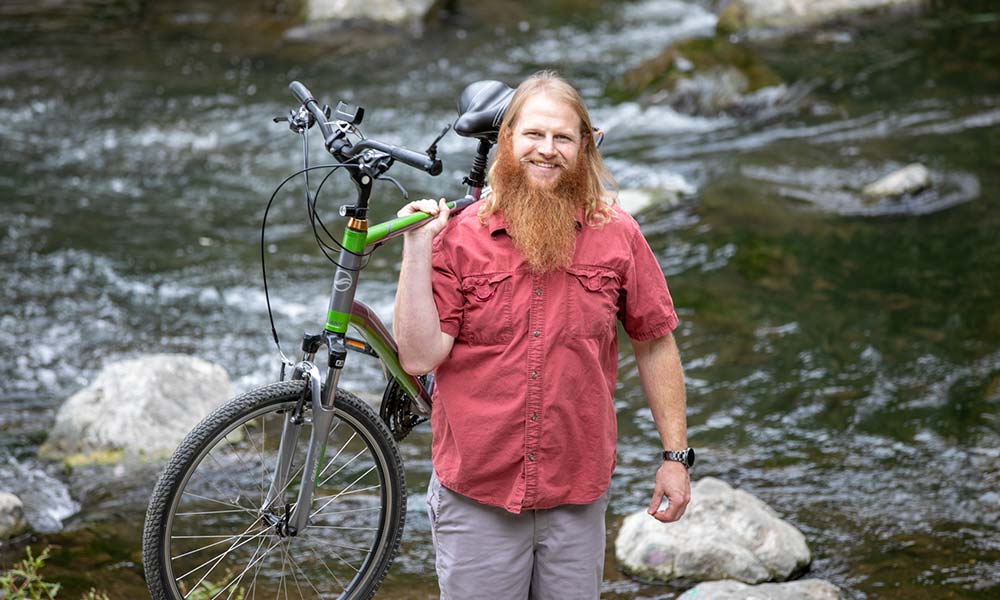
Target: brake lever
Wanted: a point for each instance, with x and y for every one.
(398, 185)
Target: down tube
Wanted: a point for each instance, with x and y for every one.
(378, 337)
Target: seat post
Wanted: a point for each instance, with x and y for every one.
(476, 178)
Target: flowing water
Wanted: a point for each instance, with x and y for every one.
(842, 357)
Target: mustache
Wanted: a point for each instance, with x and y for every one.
(558, 163)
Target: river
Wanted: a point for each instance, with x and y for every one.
(842, 358)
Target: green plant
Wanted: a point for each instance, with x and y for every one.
(94, 595)
(22, 581)
(208, 590)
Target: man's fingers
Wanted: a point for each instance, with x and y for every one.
(428, 206)
(671, 514)
(654, 504)
(678, 504)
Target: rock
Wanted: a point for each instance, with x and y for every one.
(635, 200)
(11, 516)
(705, 76)
(724, 534)
(395, 12)
(805, 589)
(140, 407)
(46, 499)
(740, 15)
(908, 180)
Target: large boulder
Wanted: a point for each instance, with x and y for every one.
(139, 407)
(724, 534)
(395, 12)
(739, 15)
(805, 589)
(11, 516)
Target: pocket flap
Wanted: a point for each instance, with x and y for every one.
(483, 286)
(592, 278)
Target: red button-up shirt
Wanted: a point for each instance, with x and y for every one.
(523, 416)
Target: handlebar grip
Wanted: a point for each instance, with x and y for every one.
(301, 93)
(305, 98)
(416, 159)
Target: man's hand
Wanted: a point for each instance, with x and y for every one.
(432, 228)
(672, 482)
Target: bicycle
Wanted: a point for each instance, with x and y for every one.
(297, 489)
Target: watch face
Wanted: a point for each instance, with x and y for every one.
(689, 457)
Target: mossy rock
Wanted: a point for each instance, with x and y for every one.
(681, 61)
(732, 19)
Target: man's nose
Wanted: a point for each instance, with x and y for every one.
(547, 147)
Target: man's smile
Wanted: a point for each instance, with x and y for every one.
(541, 164)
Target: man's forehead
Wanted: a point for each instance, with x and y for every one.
(546, 106)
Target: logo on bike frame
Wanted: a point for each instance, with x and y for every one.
(343, 281)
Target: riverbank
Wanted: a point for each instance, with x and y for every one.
(842, 364)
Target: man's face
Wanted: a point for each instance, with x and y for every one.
(546, 139)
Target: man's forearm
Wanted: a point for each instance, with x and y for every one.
(416, 323)
(663, 383)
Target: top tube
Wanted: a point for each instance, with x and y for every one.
(389, 229)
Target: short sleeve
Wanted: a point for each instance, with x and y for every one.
(447, 292)
(645, 307)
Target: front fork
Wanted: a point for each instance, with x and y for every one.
(322, 402)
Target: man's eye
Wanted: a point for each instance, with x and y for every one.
(533, 134)
(564, 138)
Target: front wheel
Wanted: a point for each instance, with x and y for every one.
(207, 534)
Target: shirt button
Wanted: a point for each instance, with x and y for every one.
(531, 457)
(534, 374)
(538, 292)
(537, 333)
(534, 416)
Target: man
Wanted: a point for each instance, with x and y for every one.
(514, 307)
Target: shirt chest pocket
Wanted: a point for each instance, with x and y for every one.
(486, 318)
(593, 299)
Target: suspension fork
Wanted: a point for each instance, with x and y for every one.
(290, 429)
(321, 398)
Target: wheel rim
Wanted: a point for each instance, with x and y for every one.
(218, 544)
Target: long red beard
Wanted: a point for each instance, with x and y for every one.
(542, 222)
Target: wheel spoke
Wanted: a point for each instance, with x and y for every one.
(344, 491)
(343, 466)
(338, 556)
(218, 558)
(340, 451)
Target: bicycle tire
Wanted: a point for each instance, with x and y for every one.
(210, 492)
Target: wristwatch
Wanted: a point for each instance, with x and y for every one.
(685, 457)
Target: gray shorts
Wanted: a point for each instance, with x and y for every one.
(486, 552)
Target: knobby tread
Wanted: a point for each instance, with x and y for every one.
(220, 419)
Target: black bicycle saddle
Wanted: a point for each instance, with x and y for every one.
(480, 109)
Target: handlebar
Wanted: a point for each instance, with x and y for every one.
(335, 140)
(414, 158)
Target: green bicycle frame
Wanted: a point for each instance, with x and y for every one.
(361, 316)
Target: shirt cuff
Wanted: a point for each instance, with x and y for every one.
(656, 332)
(450, 328)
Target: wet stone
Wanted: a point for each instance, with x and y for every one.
(910, 179)
(141, 407)
(725, 533)
(806, 589)
(11, 516)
